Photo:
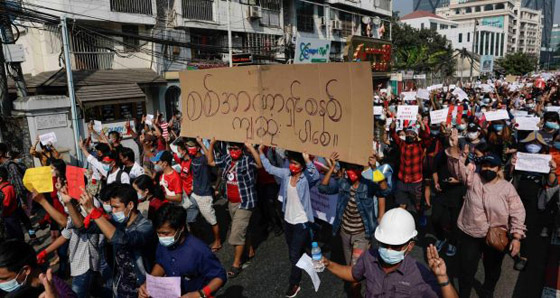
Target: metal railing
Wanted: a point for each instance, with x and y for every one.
(132, 6)
(198, 10)
(91, 52)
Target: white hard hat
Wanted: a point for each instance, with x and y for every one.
(396, 227)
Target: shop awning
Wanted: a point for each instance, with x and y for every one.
(90, 96)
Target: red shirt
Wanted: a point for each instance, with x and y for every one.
(153, 207)
(173, 182)
(410, 170)
(10, 202)
(186, 174)
(232, 186)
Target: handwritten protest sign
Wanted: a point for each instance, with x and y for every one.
(298, 107)
(496, 115)
(163, 287)
(435, 87)
(75, 181)
(149, 119)
(377, 110)
(97, 126)
(423, 94)
(324, 206)
(407, 112)
(460, 93)
(538, 163)
(527, 123)
(38, 179)
(409, 96)
(48, 138)
(511, 78)
(553, 109)
(438, 116)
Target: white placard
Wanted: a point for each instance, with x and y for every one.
(306, 263)
(149, 119)
(528, 162)
(553, 109)
(409, 95)
(407, 112)
(48, 138)
(520, 114)
(452, 86)
(439, 116)
(163, 287)
(377, 110)
(496, 115)
(423, 94)
(527, 123)
(435, 87)
(487, 88)
(460, 93)
(97, 126)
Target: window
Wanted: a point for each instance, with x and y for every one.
(488, 7)
(457, 11)
(468, 10)
(198, 10)
(131, 44)
(304, 18)
(468, 36)
(433, 26)
(346, 20)
(270, 13)
(132, 6)
(500, 6)
(460, 37)
(477, 9)
(261, 44)
(442, 26)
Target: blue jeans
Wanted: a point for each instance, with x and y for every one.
(81, 284)
(298, 238)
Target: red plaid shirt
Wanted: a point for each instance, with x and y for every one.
(410, 170)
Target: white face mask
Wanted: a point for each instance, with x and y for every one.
(402, 138)
(472, 135)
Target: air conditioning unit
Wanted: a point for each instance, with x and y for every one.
(323, 21)
(336, 25)
(255, 12)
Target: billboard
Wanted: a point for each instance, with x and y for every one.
(486, 63)
(312, 50)
(375, 51)
(493, 21)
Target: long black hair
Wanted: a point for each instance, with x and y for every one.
(144, 182)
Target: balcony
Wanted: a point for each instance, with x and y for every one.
(202, 10)
(132, 6)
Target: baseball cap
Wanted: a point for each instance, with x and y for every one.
(162, 156)
(473, 127)
(492, 159)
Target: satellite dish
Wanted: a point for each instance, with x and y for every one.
(366, 20)
(376, 21)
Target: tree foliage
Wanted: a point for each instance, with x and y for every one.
(518, 63)
(421, 50)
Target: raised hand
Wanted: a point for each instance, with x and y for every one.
(333, 159)
(454, 138)
(86, 201)
(436, 264)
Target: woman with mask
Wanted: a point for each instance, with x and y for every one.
(500, 140)
(532, 188)
(490, 202)
(20, 275)
(550, 127)
(149, 194)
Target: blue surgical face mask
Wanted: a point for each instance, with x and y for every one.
(12, 285)
(107, 167)
(434, 132)
(107, 208)
(461, 127)
(168, 240)
(557, 145)
(533, 148)
(158, 168)
(390, 256)
(119, 216)
(552, 125)
(498, 127)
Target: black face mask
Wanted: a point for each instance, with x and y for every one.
(488, 175)
(409, 139)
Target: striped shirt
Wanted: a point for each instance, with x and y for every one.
(352, 219)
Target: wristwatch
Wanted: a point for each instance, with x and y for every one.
(443, 284)
(201, 293)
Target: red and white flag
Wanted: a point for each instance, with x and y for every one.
(164, 131)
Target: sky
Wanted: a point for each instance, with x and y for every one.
(405, 7)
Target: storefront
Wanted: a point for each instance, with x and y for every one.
(375, 51)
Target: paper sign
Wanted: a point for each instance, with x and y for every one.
(97, 126)
(527, 123)
(520, 113)
(383, 90)
(423, 94)
(38, 179)
(451, 87)
(323, 205)
(306, 263)
(75, 181)
(149, 119)
(553, 109)
(511, 78)
(460, 93)
(528, 162)
(410, 96)
(496, 115)
(48, 138)
(163, 287)
(438, 116)
(119, 127)
(300, 107)
(377, 110)
(407, 112)
(435, 87)
(487, 88)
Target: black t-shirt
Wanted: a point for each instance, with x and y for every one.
(201, 176)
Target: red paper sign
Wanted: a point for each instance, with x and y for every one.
(75, 181)
(459, 114)
(450, 114)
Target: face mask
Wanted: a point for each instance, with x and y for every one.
(106, 167)
(486, 100)
(472, 135)
(140, 196)
(390, 256)
(168, 241)
(12, 285)
(119, 217)
(180, 155)
(557, 145)
(107, 208)
(498, 127)
(192, 151)
(531, 105)
(461, 127)
(409, 139)
(352, 176)
(434, 132)
(533, 148)
(158, 168)
(552, 125)
(488, 175)
(445, 106)
(294, 169)
(483, 111)
(402, 138)
(235, 154)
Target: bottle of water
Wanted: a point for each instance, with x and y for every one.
(317, 256)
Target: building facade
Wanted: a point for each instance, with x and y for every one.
(429, 5)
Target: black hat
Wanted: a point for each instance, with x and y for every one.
(473, 127)
(492, 159)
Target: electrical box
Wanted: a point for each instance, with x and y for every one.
(13, 52)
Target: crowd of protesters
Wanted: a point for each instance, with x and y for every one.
(456, 179)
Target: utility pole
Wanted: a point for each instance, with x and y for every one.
(4, 95)
(473, 48)
(229, 33)
(70, 81)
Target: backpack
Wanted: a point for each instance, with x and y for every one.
(117, 180)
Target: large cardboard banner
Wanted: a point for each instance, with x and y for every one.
(318, 108)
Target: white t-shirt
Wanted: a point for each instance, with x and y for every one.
(136, 171)
(294, 214)
(113, 176)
